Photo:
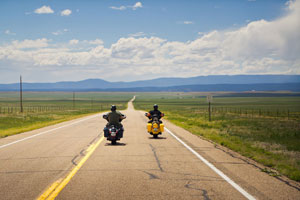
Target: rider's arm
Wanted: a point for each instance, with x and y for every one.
(105, 116)
(122, 116)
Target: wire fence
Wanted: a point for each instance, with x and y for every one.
(42, 109)
(251, 112)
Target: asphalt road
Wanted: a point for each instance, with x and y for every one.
(74, 157)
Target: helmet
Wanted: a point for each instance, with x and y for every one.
(155, 106)
(113, 108)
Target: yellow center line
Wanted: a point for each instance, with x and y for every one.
(58, 185)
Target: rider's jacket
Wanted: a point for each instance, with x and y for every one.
(155, 112)
(114, 118)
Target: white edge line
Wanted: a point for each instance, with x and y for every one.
(220, 173)
(44, 132)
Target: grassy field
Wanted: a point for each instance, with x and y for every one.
(46, 108)
(266, 129)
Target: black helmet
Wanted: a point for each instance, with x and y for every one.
(113, 108)
(155, 106)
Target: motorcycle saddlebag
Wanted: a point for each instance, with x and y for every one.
(149, 127)
(120, 133)
(162, 127)
(106, 132)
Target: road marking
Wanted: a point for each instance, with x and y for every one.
(57, 186)
(50, 189)
(220, 173)
(44, 132)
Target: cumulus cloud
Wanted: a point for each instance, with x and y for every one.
(134, 7)
(96, 42)
(137, 5)
(260, 47)
(72, 42)
(66, 12)
(29, 44)
(44, 10)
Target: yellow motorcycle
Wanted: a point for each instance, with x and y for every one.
(155, 127)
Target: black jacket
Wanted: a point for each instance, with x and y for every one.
(155, 112)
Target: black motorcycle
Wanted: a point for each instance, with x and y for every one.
(113, 133)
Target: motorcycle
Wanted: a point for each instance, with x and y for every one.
(113, 133)
(156, 127)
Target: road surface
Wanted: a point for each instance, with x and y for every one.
(71, 160)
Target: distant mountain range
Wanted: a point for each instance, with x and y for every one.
(200, 83)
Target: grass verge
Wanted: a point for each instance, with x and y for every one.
(272, 141)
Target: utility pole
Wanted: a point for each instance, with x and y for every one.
(209, 100)
(209, 111)
(21, 95)
(73, 100)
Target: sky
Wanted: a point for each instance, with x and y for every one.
(71, 40)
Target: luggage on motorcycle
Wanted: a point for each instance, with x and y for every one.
(149, 127)
(120, 133)
(106, 132)
(162, 127)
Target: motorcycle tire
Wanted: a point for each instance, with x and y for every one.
(113, 142)
(155, 135)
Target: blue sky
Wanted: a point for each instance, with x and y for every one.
(92, 19)
(91, 39)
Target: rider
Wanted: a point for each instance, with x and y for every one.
(156, 112)
(114, 117)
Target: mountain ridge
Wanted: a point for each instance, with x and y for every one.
(100, 84)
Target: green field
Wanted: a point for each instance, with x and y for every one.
(265, 129)
(45, 108)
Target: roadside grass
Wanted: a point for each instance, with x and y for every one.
(44, 109)
(273, 141)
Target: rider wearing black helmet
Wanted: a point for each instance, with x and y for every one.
(154, 112)
(114, 117)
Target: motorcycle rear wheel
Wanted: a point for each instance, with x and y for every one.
(113, 142)
(155, 135)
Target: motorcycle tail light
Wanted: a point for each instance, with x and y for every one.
(113, 133)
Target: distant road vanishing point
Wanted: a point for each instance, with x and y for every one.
(72, 160)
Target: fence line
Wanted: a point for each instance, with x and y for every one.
(41, 109)
(251, 112)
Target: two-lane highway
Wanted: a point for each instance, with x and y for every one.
(74, 162)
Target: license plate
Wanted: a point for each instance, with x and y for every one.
(113, 134)
(155, 129)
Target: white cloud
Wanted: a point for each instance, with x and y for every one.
(28, 44)
(118, 8)
(74, 41)
(8, 32)
(188, 22)
(137, 5)
(44, 10)
(134, 7)
(66, 12)
(138, 34)
(96, 42)
(60, 32)
(260, 47)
